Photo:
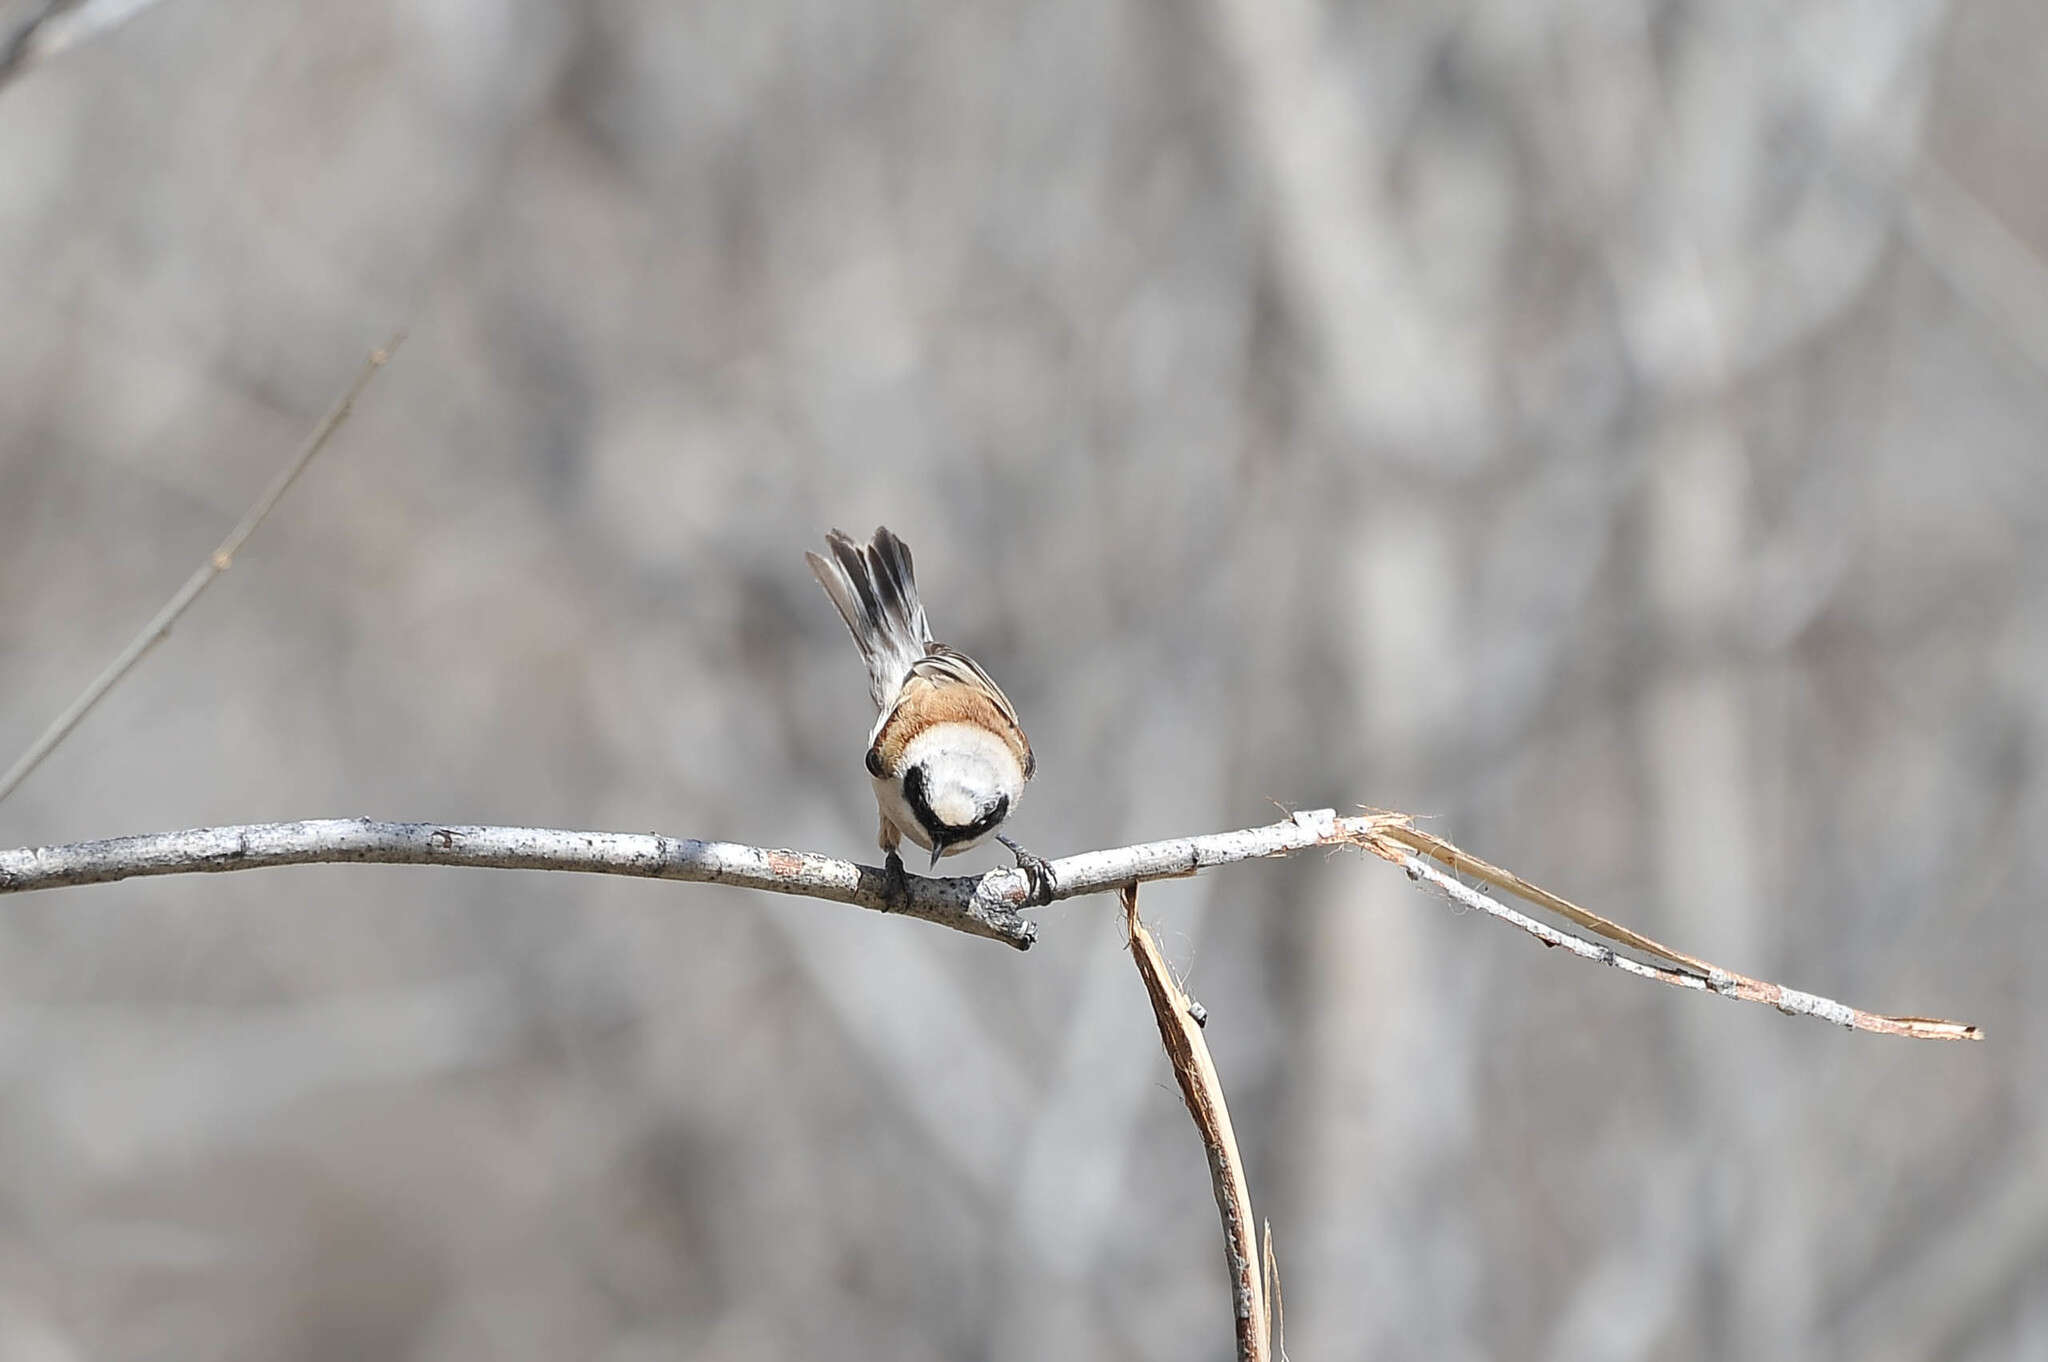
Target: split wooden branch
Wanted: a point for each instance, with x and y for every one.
(985, 905)
(1790, 1001)
(1253, 1277)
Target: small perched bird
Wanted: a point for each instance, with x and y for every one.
(948, 757)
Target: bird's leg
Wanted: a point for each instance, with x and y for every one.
(896, 885)
(1037, 874)
(896, 882)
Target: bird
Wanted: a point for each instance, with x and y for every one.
(947, 754)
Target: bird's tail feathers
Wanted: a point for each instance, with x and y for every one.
(876, 592)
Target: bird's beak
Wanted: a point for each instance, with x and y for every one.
(938, 850)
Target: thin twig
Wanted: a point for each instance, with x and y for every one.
(1275, 1309)
(1202, 1090)
(16, 45)
(57, 24)
(1729, 985)
(1990, 266)
(984, 905)
(160, 624)
(1465, 863)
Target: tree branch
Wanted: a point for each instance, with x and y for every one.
(18, 43)
(1790, 1001)
(222, 558)
(1251, 1288)
(53, 25)
(984, 905)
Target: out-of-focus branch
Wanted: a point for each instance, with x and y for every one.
(984, 905)
(50, 26)
(1391, 366)
(1252, 1275)
(1955, 1275)
(159, 626)
(18, 44)
(1981, 258)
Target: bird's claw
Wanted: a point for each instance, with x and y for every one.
(895, 882)
(1038, 874)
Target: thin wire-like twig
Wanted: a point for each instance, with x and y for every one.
(1276, 1310)
(17, 44)
(984, 905)
(1202, 1090)
(57, 24)
(1465, 863)
(160, 624)
(1724, 982)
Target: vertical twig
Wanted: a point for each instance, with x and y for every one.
(1203, 1092)
(154, 632)
(1271, 1276)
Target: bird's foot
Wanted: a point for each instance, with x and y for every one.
(895, 882)
(1037, 874)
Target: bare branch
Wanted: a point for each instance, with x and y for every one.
(18, 44)
(1988, 264)
(1202, 1090)
(202, 577)
(53, 25)
(976, 906)
(1726, 983)
(1465, 863)
(984, 905)
(1276, 1310)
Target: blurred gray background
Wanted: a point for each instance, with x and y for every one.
(1613, 430)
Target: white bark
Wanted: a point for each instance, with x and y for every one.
(984, 905)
